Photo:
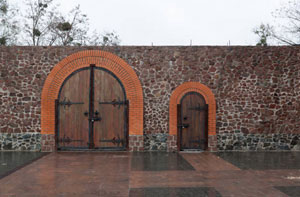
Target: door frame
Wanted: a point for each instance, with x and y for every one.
(92, 68)
(177, 94)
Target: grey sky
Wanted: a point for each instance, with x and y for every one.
(176, 22)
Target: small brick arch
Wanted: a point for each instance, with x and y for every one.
(83, 59)
(209, 97)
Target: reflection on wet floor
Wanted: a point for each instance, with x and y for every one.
(159, 161)
(174, 192)
(11, 161)
(155, 174)
(292, 191)
(262, 160)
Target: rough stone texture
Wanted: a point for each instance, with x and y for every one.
(257, 89)
(48, 142)
(20, 141)
(136, 143)
(155, 142)
(257, 142)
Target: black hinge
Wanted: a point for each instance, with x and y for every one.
(68, 103)
(200, 141)
(115, 102)
(115, 140)
(68, 140)
(199, 108)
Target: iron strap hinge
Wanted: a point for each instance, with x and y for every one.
(199, 108)
(114, 102)
(68, 103)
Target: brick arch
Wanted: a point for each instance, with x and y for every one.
(83, 59)
(209, 97)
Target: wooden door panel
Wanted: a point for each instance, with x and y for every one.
(73, 103)
(193, 122)
(109, 102)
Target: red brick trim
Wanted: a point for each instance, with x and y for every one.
(102, 59)
(179, 92)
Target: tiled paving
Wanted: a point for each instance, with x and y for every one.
(12, 161)
(157, 174)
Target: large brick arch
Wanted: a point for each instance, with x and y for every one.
(83, 59)
(209, 97)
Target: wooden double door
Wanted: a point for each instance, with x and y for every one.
(192, 113)
(91, 111)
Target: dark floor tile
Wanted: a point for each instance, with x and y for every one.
(174, 192)
(12, 161)
(262, 160)
(159, 161)
(292, 191)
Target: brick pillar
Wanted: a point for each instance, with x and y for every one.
(212, 143)
(136, 143)
(172, 143)
(48, 143)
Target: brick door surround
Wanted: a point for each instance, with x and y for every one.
(209, 97)
(101, 59)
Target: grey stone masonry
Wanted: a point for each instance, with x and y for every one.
(258, 142)
(29, 141)
(155, 142)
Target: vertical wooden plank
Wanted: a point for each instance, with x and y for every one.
(179, 129)
(127, 124)
(91, 108)
(56, 123)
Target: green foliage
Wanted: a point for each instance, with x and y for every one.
(36, 32)
(3, 7)
(64, 26)
(3, 41)
(263, 32)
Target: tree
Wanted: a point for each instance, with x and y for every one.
(264, 32)
(8, 25)
(71, 29)
(288, 30)
(105, 39)
(45, 25)
(38, 20)
(287, 27)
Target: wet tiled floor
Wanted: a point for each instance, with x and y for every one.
(262, 160)
(12, 161)
(156, 174)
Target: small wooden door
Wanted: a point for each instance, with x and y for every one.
(92, 111)
(192, 124)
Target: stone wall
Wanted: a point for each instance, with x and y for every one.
(257, 89)
(20, 141)
(258, 142)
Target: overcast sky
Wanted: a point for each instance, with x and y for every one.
(176, 22)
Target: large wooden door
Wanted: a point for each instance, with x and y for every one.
(192, 123)
(91, 111)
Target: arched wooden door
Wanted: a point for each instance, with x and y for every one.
(192, 122)
(91, 111)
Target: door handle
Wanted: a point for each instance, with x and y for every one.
(183, 126)
(95, 119)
